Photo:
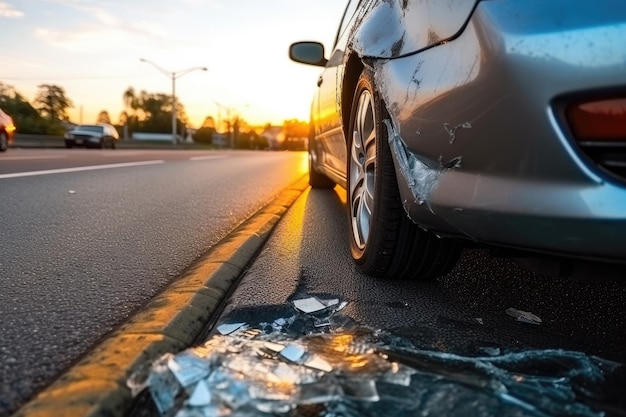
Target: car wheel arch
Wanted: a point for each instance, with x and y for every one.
(386, 243)
(353, 69)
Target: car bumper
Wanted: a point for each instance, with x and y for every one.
(87, 143)
(481, 149)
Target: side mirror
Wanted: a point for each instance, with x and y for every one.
(310, 53)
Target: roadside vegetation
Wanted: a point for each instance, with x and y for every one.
(150, 113)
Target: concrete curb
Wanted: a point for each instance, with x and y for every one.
(170, 322)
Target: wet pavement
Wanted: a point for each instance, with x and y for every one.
(305, 334)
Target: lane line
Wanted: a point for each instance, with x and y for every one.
(207, 157)
(78, 169)
(26, 158)
(116, 153)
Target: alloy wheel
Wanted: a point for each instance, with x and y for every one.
(363, 169)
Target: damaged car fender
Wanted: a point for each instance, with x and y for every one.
(393, 28)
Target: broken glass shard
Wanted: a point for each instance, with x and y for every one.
(201, 395)
(309, 305)
(188, 368)
(292, 353)
(318, 363)
(164, 387)
(330, 302)
(229, 328)
(348, 370)
(274, 347)
(523, 316)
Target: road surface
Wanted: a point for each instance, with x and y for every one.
(88, 236)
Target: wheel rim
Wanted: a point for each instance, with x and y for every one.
(362, 169)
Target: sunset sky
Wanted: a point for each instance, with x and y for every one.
(92, 48)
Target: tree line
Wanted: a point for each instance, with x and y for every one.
(143, 112)
(47, 114)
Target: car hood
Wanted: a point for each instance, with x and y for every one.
(84, 132)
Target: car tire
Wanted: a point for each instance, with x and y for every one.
(384, 242)
(4, 142)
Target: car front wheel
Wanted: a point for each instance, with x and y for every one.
(4, 142)
(384, 242)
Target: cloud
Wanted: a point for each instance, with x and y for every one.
(6, 10)
(86, 8)
(95, 40)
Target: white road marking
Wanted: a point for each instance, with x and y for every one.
(116, 153)
(78, 169)
(207, 157)
(26, 158)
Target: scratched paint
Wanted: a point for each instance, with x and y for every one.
(421, 177)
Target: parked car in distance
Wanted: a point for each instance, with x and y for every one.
(99, 135)
(498, 124)
(7, 130)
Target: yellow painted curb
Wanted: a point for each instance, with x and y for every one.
(170, 322)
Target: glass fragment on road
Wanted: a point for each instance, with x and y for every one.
(289, 367)
(523, 316)
(229, 328)
(292, 353)
(309, 305)
(201, 396)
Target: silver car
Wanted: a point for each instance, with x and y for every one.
(499, 123)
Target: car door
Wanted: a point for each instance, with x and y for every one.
(327, 115)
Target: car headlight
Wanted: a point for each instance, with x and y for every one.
(69, 136)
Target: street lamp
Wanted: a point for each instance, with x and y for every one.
(173, 75)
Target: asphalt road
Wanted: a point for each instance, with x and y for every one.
(462, 313)
(88, 236)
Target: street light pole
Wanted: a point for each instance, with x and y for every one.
(174, 120)
(173, 75)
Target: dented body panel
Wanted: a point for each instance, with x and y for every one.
(521, 181)
(476, 126)
(394, 28)
(379, 29)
